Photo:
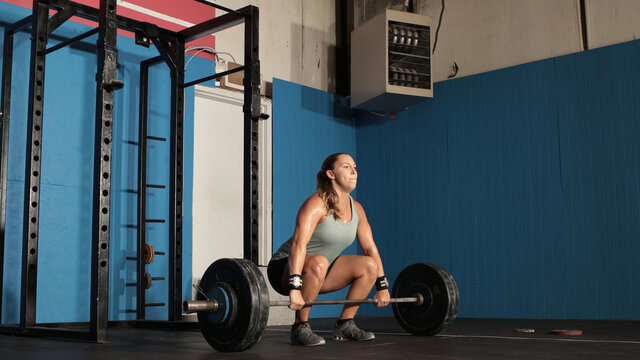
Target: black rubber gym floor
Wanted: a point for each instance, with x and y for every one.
(465, 339)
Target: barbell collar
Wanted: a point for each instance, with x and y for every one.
(200, 305)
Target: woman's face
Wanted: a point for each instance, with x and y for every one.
(344, 174)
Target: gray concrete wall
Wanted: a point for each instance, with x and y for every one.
(484, 35)
(297, 37)
(612, 21)
(297, 40)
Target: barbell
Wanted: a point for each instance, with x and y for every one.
(233, 302)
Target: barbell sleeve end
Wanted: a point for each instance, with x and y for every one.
(419, 299)
(200, 305)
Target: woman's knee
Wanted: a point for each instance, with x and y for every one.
(371, 266)
(316, 266)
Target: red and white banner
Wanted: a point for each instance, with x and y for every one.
(169, 14)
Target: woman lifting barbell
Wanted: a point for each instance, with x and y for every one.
(310, 263)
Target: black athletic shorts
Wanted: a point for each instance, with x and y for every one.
(276, 268)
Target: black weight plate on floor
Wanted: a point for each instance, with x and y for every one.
(248, 316)
(440, 305)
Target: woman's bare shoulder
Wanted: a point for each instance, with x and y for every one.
(314, 202)
(313, 209)
(359, 208)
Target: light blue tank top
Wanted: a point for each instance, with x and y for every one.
(329, 238)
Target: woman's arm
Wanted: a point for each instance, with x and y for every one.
(310, 214)
(369, 248)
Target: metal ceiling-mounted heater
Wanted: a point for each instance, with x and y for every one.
(391, 62)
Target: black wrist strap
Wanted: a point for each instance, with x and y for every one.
(295, 282)
(382, 283)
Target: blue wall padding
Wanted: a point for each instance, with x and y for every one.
(308, 126)
(67, 170)
(599, 133)
(523, 182)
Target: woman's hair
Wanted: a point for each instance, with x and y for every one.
(325, 190)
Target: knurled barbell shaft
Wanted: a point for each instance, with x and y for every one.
(212, 305)
(347, 301)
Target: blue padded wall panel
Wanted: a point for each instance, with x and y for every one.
(598, 122)
(64, 266)
(308, 126)
(63, 270)
(523, 182)
(458, 201)
(12, 270)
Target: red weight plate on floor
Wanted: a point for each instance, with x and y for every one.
(567, 332)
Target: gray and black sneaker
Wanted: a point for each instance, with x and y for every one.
(302, 335)
(349, 331)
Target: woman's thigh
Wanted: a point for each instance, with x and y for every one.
(309, 260)
(345, 269)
